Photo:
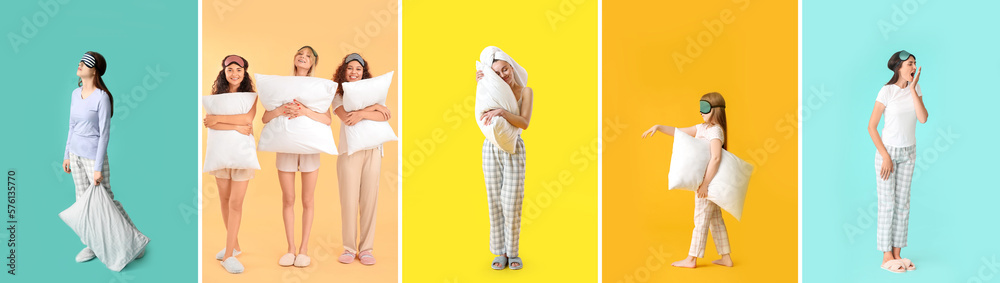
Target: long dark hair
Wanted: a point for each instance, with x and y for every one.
(221, 85)
(341, 75)
(894, 64)
(716, 100)
(101, 66)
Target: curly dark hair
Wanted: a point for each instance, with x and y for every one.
(221, 85)
(341, 75)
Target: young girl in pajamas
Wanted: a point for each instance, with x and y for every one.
(902, 102)
(504, 172)
(86, 152)
(707, 215)
(358, 173)
(232, 182)
(304, 63)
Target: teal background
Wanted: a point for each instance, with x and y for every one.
(153, 148)
(844, 56)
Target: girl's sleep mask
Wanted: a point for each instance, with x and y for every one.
(707, 107)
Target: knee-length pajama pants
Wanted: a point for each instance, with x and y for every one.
(708, 216)
(358, 175)
(82, 170)
(894, 197)
(504, 174)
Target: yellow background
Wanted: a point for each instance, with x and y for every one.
(752, 62)
(268, 34)
(445, 218)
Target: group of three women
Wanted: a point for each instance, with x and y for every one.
(357, 173)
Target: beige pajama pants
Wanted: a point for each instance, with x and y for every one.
(708, 216)
(358, 175)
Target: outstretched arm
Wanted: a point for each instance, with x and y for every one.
(668, 130)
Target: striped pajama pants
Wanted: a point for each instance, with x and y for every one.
(708, 216)
(504, 175)
(894, 197)
(82, 169)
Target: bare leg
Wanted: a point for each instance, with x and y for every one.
(287, 182)
(224, 194)
(238, 191)
(308, 191)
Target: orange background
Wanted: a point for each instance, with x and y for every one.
(267, 34)
(751, 60)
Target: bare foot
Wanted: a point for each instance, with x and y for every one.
(688, 262)
(724, 261)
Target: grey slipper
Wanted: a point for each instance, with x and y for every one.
(232, 265)
(515, 260)
(221, 253)
(502, 260)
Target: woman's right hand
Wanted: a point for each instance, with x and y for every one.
(650, 132)
(886, 167)
(479, 75)
(66, 165)
(291, 109)
(244, 129)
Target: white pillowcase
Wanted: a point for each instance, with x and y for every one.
(367, 134)
(301, 135)
(229, 148)
(688, 163)
(492, 93)
(102, 227)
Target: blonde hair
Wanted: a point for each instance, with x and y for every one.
(315, 60)
(719, 114)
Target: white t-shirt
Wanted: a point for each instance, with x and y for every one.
(900, 116)
(709, 132)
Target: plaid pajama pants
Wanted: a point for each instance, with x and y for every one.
(82, 170)
(894, 197)
(707, 215)
(504, 174)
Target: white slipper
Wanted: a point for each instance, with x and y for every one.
(221, 253)
(85, 255)
(286, 260)
(302, 260)
(233, 265)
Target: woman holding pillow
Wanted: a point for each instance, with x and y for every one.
(357, 173)
(86, 152)
(902, 102)
(304, 62)
(707, 215)
(503, 171)
(232, 182)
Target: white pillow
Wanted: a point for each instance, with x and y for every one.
(492, 93)
(229, 148)
(688, 163)
(367, 134)
(301, 135)
(102, 227)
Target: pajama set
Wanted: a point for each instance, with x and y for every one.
(707, 214)
(87, 143)
(504, 175)
(899, 139)
(357, 177)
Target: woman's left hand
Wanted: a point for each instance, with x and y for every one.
(916, 77)
(353, 118)
(702, 191)
(98, 178)
(488, 115)
(210, 120)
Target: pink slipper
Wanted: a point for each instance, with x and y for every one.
(895, 266)
(909, 264)
(367, 258)
(346, 257)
